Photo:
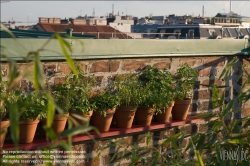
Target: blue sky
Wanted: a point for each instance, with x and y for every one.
(30, 10)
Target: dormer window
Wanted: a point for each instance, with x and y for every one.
(191, 33)
(211, 32)
(177, 31)
(162, 31)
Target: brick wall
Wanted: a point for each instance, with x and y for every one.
(103, 70)
(209, 67)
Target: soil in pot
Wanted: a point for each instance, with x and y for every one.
(27, 129)
(180, 109)
(59, 123)
(86, 116)
(101, 122)
(165, 116)
(144, 115)
(124, 116)
(3, 131)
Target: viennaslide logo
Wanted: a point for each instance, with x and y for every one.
(237, 155)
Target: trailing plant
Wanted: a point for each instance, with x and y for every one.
(186, 77)
(104, 101)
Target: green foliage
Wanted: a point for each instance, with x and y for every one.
(13, 106)
(80, 86)
(31, 105)
(226, 131)
(3, 91)
(127, 90)
(61, 95)
(104, 101)
(186, 77)
(158, 88)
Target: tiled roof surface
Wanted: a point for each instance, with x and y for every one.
(85, 29)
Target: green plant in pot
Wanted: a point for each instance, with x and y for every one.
(4, 120)
(106, 104)
(31, 106)
(127, 90)
(186, 77)
(81, 108)
(160, 92)
(61, 95)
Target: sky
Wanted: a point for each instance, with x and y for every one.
(28, 12)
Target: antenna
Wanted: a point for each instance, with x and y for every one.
(93, 14)
(112, 9)
(230, 6)
(203, 11)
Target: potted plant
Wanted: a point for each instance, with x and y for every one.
(81, 109)
(159, 93)
(186, 77)
(4, 121)
(126, 89)
(61, 95)
(31, 105)
(105, 104)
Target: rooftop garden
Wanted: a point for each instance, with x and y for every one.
(138, 98)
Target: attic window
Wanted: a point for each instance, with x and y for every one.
(229, 32)
(162, 31)
(248, 30)
(211, 32)
(177, 31)
(191, 33)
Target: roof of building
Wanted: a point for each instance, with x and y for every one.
(230, 14)
(39, 34)
(105, 31)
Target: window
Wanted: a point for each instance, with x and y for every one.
(191, 33)
(239, 32)
(248, 30)
(229, 32)
(162, 31)
(177, 31)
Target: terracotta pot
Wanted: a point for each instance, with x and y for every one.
(59, 123)
(180, 109)
(144, 115)
(101, 122)
(27, 128)
(165, 116)
(3, 131)
(82, 122)
(124, 116)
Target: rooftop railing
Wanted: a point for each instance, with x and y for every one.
(127, 35)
